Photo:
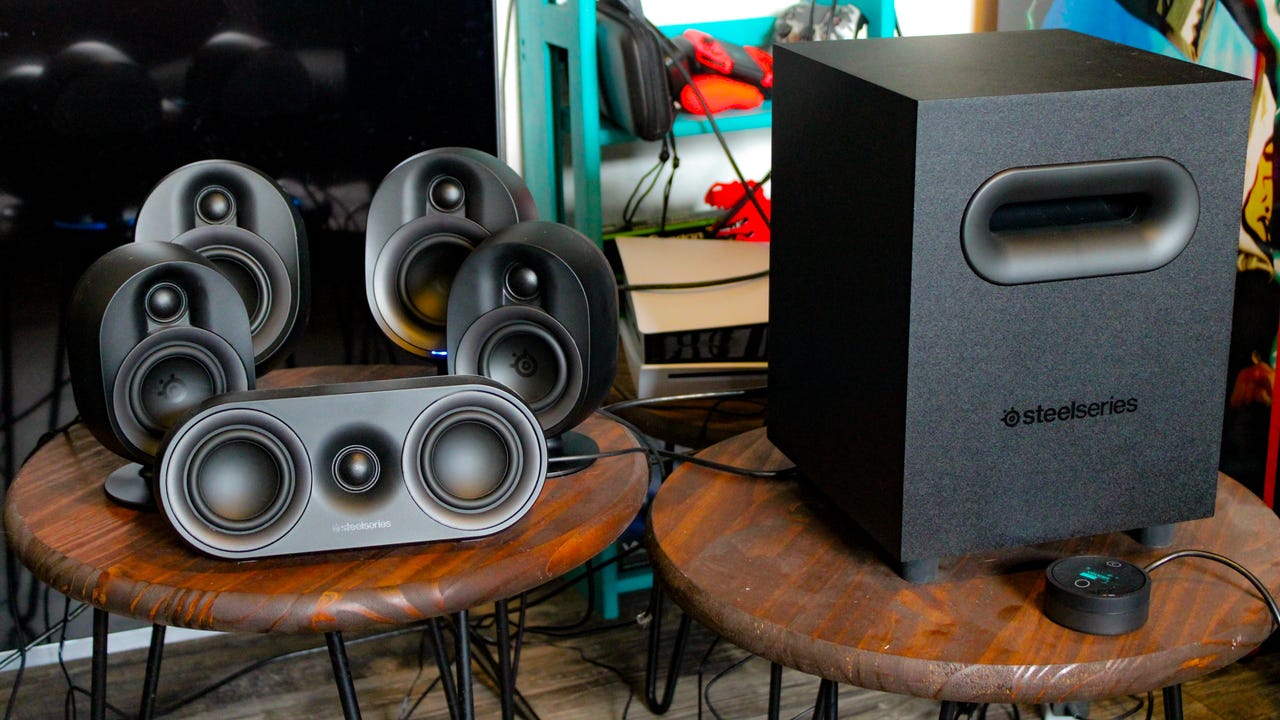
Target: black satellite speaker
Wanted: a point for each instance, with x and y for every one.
(535, 307)
(153, 329)
(241, 220)
(1001, 285)
(328, 467)
(425, 218)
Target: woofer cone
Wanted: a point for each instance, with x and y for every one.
(258, 274)
(240, 479)
(166, 375)
(234, 480)
(474, 460)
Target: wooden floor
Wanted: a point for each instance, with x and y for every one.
(564, 674)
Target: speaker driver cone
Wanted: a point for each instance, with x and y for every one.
(167, 374)
(240, 479)
(474, 459)
(233, 480)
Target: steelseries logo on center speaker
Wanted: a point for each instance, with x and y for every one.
(1073, 410)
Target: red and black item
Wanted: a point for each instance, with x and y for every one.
(721, 75)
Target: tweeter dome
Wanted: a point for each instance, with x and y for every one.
(425, 218)
(153, 329)
(242, 221)
(350, 465)
(535, 307)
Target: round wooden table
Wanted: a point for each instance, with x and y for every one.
(62, 526)
(771, 566)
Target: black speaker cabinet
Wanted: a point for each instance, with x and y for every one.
(153, 329)
(535, 307)
(279, 472)
(239, 218)
(1001, 289)
(425, 218)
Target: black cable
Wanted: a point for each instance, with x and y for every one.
(664, 399)
(624, 287)
(780, 473)
(706, 692)
(637, 196)
(672, 52)
(666, 190)
(1207, 555)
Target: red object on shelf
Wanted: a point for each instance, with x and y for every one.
(744, 221)
(721, 93)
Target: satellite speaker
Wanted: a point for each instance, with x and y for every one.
(425, 218)
(279, 472)
(242, 221)
(535, 307)
(1001, 285)
(153, 329)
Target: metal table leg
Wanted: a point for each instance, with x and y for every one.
(342, 675)
(658, 705)
(1173, 702)
(151, 681)
(98, 684)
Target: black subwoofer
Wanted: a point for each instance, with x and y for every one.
(278, 472)
(1000, 296)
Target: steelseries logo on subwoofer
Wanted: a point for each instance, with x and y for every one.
(1073, 410)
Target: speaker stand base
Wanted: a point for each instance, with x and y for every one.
(1156, 536)
(569, 452)
(131, 486)
(919, 572)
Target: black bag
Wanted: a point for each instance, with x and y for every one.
(634, 92)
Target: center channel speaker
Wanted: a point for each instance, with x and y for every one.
(425, 218)
(280, 472)
(153, 329)
(1001, 285)
(242, 221)
(535, 307)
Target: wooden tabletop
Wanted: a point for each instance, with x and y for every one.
(771, 567)
(64, 528)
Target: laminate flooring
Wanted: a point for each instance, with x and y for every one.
(568, 670)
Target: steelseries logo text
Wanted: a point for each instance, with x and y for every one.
(360, 525)
(1073, 410)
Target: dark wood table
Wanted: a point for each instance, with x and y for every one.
(771, 567)
(63, 527)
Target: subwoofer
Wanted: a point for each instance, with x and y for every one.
(1000, 295)
(243, 222)
(425, 218)
(280, 472)
(535, 307)
(153, 329)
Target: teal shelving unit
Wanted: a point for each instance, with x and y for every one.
(562, 133)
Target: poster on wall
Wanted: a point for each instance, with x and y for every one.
(1239, 37)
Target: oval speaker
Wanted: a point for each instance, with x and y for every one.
(330, 467)
(153, 330)
(244, 223)
(425, 218)
(535, 308)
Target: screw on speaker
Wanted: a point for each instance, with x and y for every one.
(153, 330)
(241, 220)
(279, 472)
(425, 218)
(535, 308)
